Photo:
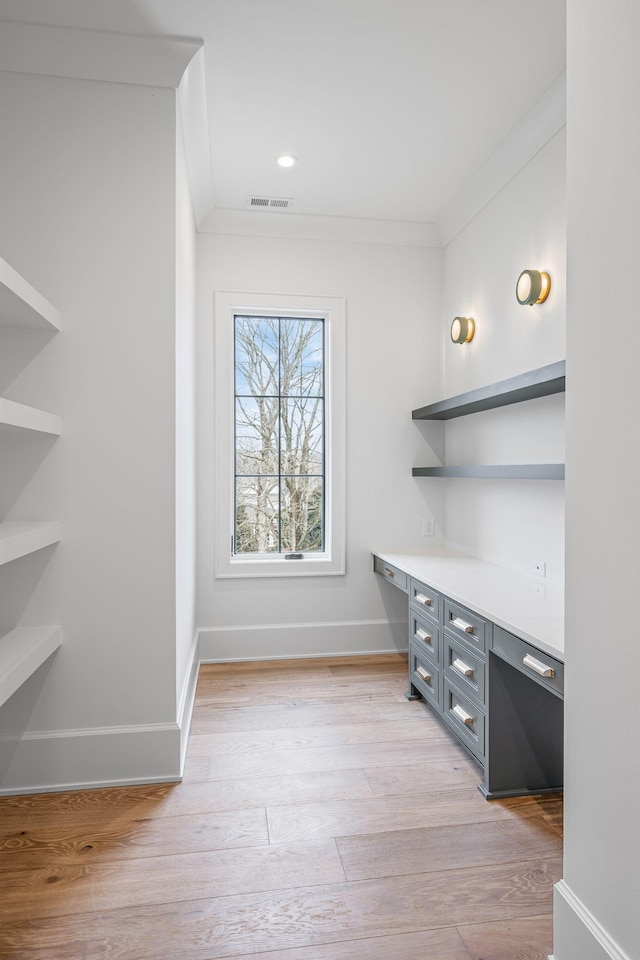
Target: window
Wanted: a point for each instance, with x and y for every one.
(280, 435)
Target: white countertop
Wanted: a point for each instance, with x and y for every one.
(527, 606)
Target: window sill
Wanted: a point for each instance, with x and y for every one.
(278, 567)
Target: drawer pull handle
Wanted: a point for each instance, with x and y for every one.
(538, 667)
(462, 625)
(462, 715)
(424, 636)
(421, 598)
(462, 667)
(423, 673)
(389, 573)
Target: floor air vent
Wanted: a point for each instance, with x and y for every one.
(269, 203)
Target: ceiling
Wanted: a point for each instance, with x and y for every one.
(390, 106)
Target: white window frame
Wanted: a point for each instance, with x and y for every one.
(332, 310)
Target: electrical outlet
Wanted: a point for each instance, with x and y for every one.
(540, 568)
(428, 528)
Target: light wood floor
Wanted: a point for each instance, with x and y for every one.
(322, 817)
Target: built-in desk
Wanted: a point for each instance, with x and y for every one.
(486, 653)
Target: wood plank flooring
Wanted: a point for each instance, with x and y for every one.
(322, 817)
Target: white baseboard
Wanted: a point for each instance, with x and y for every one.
(188, 699)
(577, 935)
(46, 762)
(300, 640)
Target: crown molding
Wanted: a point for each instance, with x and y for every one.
(94, 55)
(168, 62)
(295, 226)
(536, 129)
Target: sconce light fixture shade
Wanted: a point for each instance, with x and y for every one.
(532, 287)
(462, 329)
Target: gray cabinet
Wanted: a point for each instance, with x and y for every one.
(465, 625)
(498, 694)
(425, 644)
(424, 676)
(465, 717)
(425, 600)
(465, 668)
(541, 667)
(525, 749)
(447, 642)
(463, 673)
(394, 575)
(425, 634)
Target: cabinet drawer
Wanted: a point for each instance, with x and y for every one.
(426, 600)
(464, 717)
(465, 669)
(546, 670)
(462, 623)
(395, 576)
(425, 635)
(424, 675)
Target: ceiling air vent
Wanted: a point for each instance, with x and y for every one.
(269, 203)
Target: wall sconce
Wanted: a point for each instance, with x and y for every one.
(532, 287)
(462, 329)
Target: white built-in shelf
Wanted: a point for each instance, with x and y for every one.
(19, 539)
(25, 649)
(21, 305)
(22, 651)
(18, 418)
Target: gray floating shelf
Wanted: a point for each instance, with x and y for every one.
(508, 471)
(542, 382)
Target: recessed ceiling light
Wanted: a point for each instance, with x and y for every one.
(286, 160)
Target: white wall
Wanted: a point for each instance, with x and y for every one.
(393, 361)
(88, 216)
(508, 522)
(596, 912)
(185, 457)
